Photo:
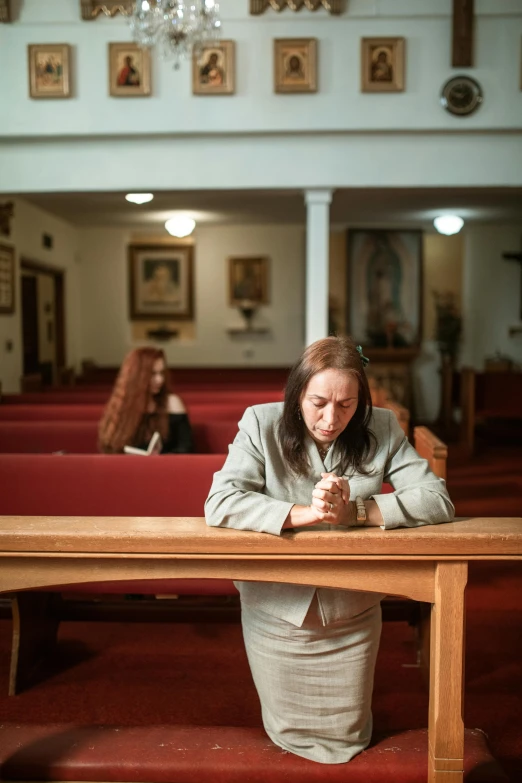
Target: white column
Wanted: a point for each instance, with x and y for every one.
(317, 261)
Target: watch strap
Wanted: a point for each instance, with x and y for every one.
(361, 510)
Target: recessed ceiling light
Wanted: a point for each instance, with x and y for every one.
(448, 224)
(180, 225)
(139, 198)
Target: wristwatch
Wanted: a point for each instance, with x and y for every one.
(361, 510)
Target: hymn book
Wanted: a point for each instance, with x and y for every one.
(154, 447)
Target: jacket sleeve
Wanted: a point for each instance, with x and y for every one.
(419, 497)
(236, 497)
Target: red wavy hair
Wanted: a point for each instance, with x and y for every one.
(123, 422)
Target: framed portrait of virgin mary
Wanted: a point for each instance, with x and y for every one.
(384, 296)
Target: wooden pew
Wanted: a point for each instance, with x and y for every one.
(81, 437)
(381, 399)
(426, 564)
(431, 449)
(488, 395)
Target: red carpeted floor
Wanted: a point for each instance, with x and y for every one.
(137, 674)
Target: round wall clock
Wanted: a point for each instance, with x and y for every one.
(461, 95)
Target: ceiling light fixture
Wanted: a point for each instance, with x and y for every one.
(175, 26)
(448, 224)
(180, 225)
(139, 198)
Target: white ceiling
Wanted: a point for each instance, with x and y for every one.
(393, 206)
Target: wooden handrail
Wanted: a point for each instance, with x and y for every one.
(432, 449)
(157, 537)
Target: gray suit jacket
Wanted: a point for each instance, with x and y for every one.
(255, 490)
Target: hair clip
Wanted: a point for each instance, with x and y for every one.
(364, 359)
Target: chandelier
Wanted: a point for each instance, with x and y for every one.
(176, 27)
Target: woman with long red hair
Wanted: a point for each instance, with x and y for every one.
(141, 404)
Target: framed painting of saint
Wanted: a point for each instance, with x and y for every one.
(295, 65)
(382, 64)
(49, 70)
(248, 280)
(213, 69)
(384, 297)
(161, 282)
(129, 70)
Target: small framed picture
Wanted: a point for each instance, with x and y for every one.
(7, 280)
(213, 69)
(129, 70)
(248, 277)
(161, 282)
(382, 64)
(295, 64)
(49, 70)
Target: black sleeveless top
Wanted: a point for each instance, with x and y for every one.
(179, 439)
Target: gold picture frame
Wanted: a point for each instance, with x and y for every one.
(382, 64)
(161, 282)
(49, 70)
(7, 280)
(248, 280)
(129, 70)
(213, 69)
(295, 65)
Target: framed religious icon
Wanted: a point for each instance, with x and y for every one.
(161, 282)
(295, 65)
(382, 64)
(129, 70)
(384, 297)
(7, 280)
(49, 70)
(213, 69)
(248, 280)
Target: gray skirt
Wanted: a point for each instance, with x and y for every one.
(314, 682)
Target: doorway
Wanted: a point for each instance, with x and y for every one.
(43, 321)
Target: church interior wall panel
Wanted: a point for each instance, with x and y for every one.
(255, 106)
(108, 333)
(27, 227)
(491, 294)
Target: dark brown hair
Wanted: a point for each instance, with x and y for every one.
(356, 440)
(124, 422)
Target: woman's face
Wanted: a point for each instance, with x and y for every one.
(157, 379)
(328, 403)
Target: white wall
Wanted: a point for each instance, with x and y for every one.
(491, 294)
(27, 227)
(338, 104)
(336, 137)
(107, 332)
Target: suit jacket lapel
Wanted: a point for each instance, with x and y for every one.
(316, 462)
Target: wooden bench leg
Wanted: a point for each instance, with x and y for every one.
(446, 726)
(423, 641)
(35, 627)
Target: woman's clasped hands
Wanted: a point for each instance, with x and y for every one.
(330, 499)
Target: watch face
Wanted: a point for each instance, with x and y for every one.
(461, 95)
